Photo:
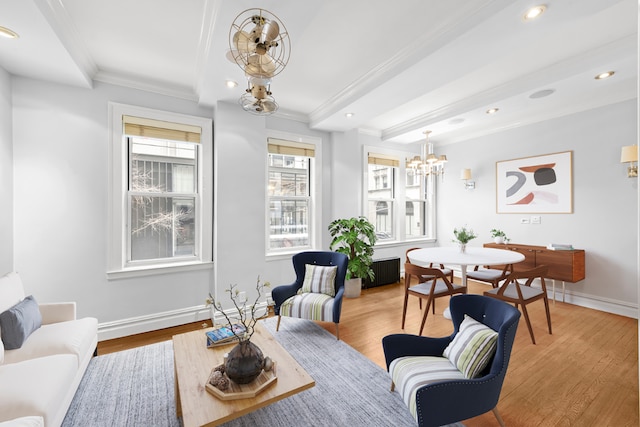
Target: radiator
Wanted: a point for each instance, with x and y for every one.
(387, 271)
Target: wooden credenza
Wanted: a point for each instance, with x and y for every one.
(567, 266)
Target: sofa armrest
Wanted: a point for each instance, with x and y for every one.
(57, 312)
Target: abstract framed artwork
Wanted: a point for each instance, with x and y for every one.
(539, 184)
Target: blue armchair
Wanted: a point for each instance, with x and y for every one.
(318, 299)
(443, 394)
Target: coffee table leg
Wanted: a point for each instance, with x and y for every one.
(177, 391)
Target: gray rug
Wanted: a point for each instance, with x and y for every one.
(135, 387)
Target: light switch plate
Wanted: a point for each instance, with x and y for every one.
(535, 220)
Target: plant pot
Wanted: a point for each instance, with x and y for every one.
(244, 362)
(499, 239)
(352, 288)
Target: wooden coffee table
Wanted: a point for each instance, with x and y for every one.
(193, 363)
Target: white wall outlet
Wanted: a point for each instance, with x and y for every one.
(535, 220)
(524, 220)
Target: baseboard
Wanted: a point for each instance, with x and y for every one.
(137, 325)
(608, 305)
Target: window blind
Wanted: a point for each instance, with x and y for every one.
(150, 128)
(383, 160)
(291, 148)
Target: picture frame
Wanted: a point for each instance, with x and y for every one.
(537, 184)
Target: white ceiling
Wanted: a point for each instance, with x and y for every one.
(401, 66)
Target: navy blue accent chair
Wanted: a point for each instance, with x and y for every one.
(283, 293)
(447, 402)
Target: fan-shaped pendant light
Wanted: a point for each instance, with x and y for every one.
(259, 44)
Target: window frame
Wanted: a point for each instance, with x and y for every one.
(315, 191)
(118, 196)
(430, 188)
(386, 161)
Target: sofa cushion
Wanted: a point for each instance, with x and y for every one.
(472, 348)
(24, 422)
(36, 387)
(18, 322)
(11, 293)
(72, 337)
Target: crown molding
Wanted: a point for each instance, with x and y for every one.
(61, 23)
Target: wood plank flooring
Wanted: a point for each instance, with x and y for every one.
(585, 374)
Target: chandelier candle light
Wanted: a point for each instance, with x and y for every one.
(428, 163)
(260, 45)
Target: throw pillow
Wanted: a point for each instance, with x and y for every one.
(17, 323)
(319, 279)
(472, 348)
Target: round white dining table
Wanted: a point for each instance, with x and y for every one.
(451, 255)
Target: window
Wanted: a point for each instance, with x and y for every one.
(381, 193)
(419, 208)
(289, 194)
(161, 213)
(399, 202)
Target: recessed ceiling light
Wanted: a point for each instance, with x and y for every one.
(605, 75)
(349, 115)
(10, 34)
(492, 110)
(534, 12)
(231, 84)
(541, 93)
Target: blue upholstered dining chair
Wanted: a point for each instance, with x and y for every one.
(317, 292)
(450, 379)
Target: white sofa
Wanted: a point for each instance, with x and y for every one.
(40, 378)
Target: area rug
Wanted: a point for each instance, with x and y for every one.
(135, 387)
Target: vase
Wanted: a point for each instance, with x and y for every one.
(463, 247)
(244, 362)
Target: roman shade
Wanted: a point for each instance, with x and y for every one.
(383, 160)
(290, 148)
(150, 128)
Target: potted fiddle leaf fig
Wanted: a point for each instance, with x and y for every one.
(354, 237)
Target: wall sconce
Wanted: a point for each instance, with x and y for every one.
(630, 155)
(466, 176)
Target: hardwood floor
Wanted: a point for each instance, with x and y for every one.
(585, 374)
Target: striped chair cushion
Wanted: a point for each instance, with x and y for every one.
(319, 279)
(472, 348)
(410, 373)
(311, 306)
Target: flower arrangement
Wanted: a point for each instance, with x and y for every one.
(464, 235)
(246, 315)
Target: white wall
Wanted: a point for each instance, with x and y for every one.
(604, 221)
(60, 175)
(6, 174)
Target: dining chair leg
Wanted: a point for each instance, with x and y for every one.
(278, 324)
(338, 331)
(424, 317)
(526, 317)
(404, 309)
(498, 417)
(546, 306)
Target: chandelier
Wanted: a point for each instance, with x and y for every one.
(260, 45)
(428, 163)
